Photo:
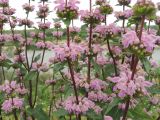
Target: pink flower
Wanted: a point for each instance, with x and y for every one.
(155, 100)
(104, 30)
(28, 7)
(11, 104)
(130, 38)
(4, 2)
(26, 22)
(57, 34)
(108, 118)
(124, 85)
(84, 105)
(62, 52)
(86, 15)
(9, 11)
(44, 25)
(50, 82)
(57, 25)
(100, 2)
(124, 15)
(3, 57)
(154, 64)
(97, 84)
(74, 30)
(7, 106)
(61, 5)
(13, 87)
(148, 41)
(101, 60)
(157, 20)
(19, 58)
(40, 67)
(40, 44)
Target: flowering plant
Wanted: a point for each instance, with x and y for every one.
(55, 70)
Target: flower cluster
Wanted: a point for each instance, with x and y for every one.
(40, 67)
(13, 87)
(105, 8)
(50, 82)
(107, 31)
(124, 15)
(108, 118)
(44, 45)
(37, 35)
(146, 8)
(100, 2)
(67, 10)
(3, 57)
(44, 26)
(124, 2)
(26, 22)
(124, 85)
(4, 3)
(157, 21)
(82, 107)
(43, 11)
(12, 104)
(28, 7)
(57, 34)
(144, 46)
(94, 17)
(57, 25)
(63, 52)
(9, 11)
(101, 60)
(74, 30)
(19, 58)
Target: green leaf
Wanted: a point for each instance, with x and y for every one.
(37, 57)
(58, 67)
(67, 22)
(93, 116)
(146, 64)
(116, 113)
(155, 89)
(39, 113)
(139, 114)
(60, 113)
(111, 106)
(30, 75)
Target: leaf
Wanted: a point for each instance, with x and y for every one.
(146, 64)
(116, 113)
(39, 113)
(139, 114)
(67, 22)
(155, 89)
(93, 116)
(111, 105)
(58, 67)
(37, 57)
(30, 75)
(60, 113)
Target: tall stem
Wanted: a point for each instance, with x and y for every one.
(26, 40)
(134, 63)
(68, 37)
(112, 56)
(15, 115)
(149, 26)
(123, 23)
(89, 46)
